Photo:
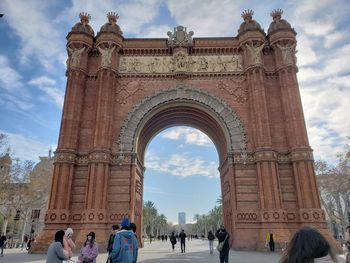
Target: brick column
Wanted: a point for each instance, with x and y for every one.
(78, 47)
(284, 45)
(100, 157)
(265, 156)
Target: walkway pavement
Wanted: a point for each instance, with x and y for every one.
(161, 252)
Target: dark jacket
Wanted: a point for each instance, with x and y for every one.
(221, 235)
(2, 240)
(182, 237)
(211, 236)
(173, 239)
(110, 243)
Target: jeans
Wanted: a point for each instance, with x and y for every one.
(2, 250)
(211, 246)
(183, 245)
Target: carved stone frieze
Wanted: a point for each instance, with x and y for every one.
(180, 62)
(236, 88)
(100, 157)
(64, 157)
(125, 89)
(180, 93)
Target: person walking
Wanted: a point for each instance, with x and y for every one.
(223, 237)
(115, 229)
(56, 253)
(89, 250)
(173, 240)
(68, 244)
(347, 243)
(182, 237)
(125, 245)
(308, 245)
(2, 245)
(270, 240)
(211, 238)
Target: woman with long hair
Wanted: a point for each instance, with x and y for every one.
(308, 246)
(55, 253)
(89, 251)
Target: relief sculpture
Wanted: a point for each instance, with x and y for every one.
(180, 62)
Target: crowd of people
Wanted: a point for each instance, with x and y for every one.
(122, 246)
(307, 245)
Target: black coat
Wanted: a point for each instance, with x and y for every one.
(221, 235)
(110, 243)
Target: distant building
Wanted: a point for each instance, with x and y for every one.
(182, 218)
(19, 217)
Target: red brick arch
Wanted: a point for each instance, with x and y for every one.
(241, 91)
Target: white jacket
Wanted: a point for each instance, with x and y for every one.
(326, 259)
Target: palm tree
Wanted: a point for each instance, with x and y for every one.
(149, 217)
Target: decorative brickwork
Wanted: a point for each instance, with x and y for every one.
(242, 91)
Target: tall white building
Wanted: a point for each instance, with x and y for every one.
(182, 218)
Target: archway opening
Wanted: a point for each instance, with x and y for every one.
(182, 177)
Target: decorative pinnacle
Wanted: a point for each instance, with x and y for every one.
(112, 17)
(247, 14)
(276, 13)
(84, 18)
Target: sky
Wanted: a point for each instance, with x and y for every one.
(32, 80)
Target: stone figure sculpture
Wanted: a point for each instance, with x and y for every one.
(75, 56)
(106, 55)
(288, 53)
(255, 52)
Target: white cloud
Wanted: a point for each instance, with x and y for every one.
(207, 17)
(27, 147)
(190, 135)
(184, 166)
(48, 86)
(326, 107)
(156, 31)
(133, 14)
(10, 79)
(33, 24)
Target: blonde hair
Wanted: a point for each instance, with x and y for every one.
(69, 231)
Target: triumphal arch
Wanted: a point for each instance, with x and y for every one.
(242, 91)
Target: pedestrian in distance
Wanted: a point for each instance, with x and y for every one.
(270, 240)
(182, 237)
(211, 238)
(2, 244)
(56, 253)
(224, 244)
(89, 250)
(173, 240)
(125, 245)
(308, 245)
(68, 244)
(115, 229)
(347, 243)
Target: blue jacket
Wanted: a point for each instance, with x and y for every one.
(125, 247)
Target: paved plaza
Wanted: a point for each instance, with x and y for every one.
(160, 252)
